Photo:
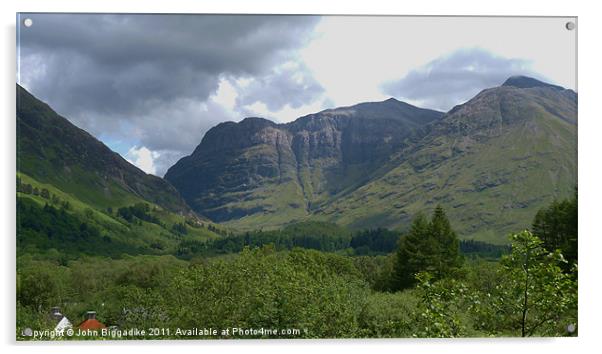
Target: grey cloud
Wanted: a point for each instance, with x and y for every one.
(166, 159)
(291, 84)
(145, 76)
(455, 78)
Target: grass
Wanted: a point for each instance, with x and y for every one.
(148, 237)
(487, 193)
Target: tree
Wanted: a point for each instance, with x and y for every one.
(440, 307)
(533, 291)
(45, 193)
(88, 213)
(415, 254)
(36, 289)
(447, 240)
(556, 226)
(428, 247)
(26, 188)
(180, 228)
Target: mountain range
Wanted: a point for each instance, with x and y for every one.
(491, 162)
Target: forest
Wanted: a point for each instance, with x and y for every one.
(310, 280)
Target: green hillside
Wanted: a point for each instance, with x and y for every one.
(50, 220)
(77, 197)
(52, 150)
(492, 163)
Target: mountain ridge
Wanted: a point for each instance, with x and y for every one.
(306, 153)
(497, 152)
(53, 150)
(323, 165)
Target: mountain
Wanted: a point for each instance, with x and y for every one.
(268, 174)
(77, 197)
(528, 82)
(491, 162)
(52, 150)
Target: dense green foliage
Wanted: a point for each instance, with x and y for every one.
(372, 241)
(315, 293)
(481, 249)
(556, 226)
(429, 246)
(307, 292)
(342, 288)
(311, 235)
(320, 236)
(48, 227)
(534, 288)
(51, 220)
(532, 294)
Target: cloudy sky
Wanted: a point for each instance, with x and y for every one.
(150, 86)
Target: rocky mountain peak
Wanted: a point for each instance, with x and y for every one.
(520, 81)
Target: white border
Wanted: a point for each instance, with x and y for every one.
(590, 176)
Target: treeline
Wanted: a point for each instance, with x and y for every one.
(321, 236)
(311, 235)
(27, 188)
(46, 221)
(481, 249)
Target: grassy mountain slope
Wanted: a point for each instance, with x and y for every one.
(71, 188)
(492, 163)
(53, 221)
(52, 150)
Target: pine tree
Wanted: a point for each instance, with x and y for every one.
(449, 246)
(430, 246)
(415, 253)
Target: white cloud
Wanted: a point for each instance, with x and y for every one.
(286, 113)
(351, 57)
(143, 158)
(455, 78)
(225, 95)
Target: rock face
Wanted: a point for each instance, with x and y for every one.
(491, 162)
(52, 150)
(278, 171)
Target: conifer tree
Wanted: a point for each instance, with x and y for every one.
(430, 246)
(449, 257)
(415, 253)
